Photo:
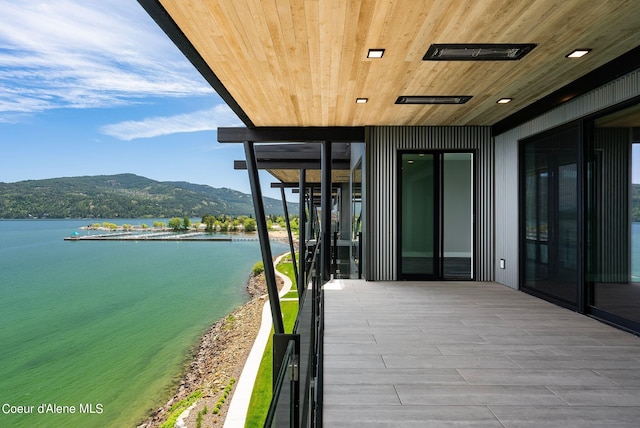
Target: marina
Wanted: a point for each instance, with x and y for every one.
(162, 236)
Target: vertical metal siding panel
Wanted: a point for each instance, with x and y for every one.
(384, 144)
(506, 211)
(381, 203)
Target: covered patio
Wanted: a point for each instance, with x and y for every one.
(478, 354)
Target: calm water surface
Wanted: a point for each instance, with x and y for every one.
(105, 325)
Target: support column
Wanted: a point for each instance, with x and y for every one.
(325, 205)
(263, 235)
(312, 215)
(291, 247)
(302, 235)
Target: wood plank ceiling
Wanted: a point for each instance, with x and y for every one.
(303, 63)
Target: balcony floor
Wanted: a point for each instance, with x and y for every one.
(471, 354)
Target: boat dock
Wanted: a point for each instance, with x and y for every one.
(157, 236)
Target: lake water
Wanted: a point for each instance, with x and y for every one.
(635, 252)
(104, 328)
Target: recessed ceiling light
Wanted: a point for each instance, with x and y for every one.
(504, 100)
(478, 51)
(578, 53)
(361, 100)
(433, 99)
(375, 53)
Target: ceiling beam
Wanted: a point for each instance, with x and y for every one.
(336, 164)
(292, 134)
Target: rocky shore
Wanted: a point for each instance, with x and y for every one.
(218, 359)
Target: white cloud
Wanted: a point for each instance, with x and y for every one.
(79, 54)
(203, 120)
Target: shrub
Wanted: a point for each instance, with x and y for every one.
(179, 407)
(258, 268)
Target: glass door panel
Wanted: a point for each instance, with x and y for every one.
(418, 207)
(550, 215)
(613, 218)
(457, 217)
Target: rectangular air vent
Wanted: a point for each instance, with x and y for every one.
(477, 52)
(436, 99)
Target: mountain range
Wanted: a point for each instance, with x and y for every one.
(124, 196)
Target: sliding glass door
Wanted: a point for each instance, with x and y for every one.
(580, 215)
(436, 215)
(550, 214)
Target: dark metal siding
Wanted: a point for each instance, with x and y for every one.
(382, 146)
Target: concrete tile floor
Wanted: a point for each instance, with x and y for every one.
(471, 354)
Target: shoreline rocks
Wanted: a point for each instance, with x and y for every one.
(219, 357)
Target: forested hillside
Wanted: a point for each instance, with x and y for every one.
(123, 196)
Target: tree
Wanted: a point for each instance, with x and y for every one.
(210, 222)
(295, 224)
(250, 225)
(186, 223)
(175, 223)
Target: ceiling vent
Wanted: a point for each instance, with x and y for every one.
(477, 52)
(435, 99)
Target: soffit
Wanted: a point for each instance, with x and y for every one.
(303, 63)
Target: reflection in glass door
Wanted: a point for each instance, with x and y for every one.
(613, 218)
(436, 212)
(549, 219)
(420, 197)
(457, 215)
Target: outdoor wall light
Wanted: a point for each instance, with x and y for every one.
(362, 100)
(578, 53)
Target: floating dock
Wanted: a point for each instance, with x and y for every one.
(158, 236)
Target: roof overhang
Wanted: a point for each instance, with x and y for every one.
(304, 64)
(299, 71)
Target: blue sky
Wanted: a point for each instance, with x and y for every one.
(95, 87)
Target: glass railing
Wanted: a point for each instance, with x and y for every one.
(282, 411)
(297, 395)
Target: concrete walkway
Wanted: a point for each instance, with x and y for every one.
(237, 413)
(469, 354)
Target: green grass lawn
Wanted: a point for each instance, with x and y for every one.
(286, 267)
(261, 396)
